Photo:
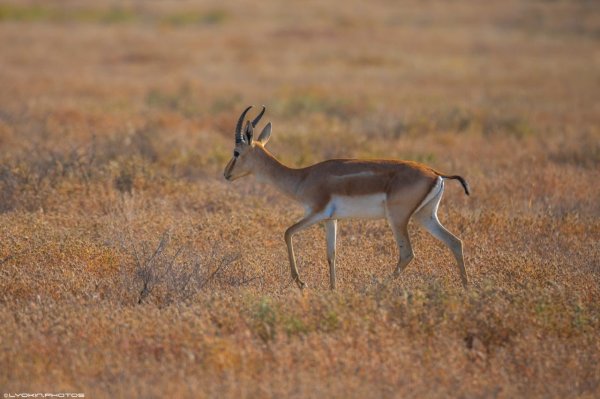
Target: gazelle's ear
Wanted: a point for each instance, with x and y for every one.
(265, 135)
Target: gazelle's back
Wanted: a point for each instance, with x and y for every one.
(349, 166)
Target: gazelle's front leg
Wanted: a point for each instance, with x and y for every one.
(331, 231)
(289, 233)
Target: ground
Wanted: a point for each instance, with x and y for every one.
(130, 268)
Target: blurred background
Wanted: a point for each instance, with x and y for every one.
(164, 81)
(129, 267)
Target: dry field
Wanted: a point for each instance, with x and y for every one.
(130, 268)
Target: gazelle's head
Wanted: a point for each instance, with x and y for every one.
(244, 158)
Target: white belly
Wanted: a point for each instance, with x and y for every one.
(362, 207)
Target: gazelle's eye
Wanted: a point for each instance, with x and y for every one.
(236, 154)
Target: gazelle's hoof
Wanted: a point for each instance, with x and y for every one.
(300, 284)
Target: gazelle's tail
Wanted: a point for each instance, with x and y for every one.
(462, 181)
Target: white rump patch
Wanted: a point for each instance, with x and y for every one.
(362, 207)
(437, 188)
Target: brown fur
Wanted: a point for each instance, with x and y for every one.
(314, 185)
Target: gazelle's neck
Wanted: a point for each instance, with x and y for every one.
(270, 170)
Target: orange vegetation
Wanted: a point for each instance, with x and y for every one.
(130, 268)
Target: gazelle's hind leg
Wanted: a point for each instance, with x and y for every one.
(427, 217)
(398, 220)
(331, 229)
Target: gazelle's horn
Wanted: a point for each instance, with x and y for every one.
(238, 129)
(249, 131)
(257, 119)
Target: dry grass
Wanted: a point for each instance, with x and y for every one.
(130, 268)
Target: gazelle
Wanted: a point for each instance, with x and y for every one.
(349, 188)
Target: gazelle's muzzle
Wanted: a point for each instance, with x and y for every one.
(228, 169)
